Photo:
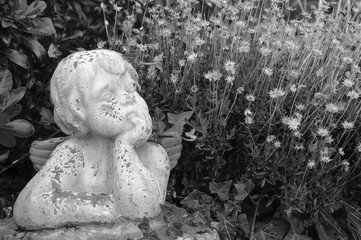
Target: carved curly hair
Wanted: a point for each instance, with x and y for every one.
(68, 85)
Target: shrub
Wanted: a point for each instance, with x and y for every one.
(275, 100)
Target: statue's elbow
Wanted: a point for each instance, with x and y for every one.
(29, 211)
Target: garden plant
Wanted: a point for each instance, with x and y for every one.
(264, 93)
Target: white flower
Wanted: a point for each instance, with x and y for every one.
(348, 83)
(250, 98)
(268, 71)
(328, 139)
(347, 60)
(213, 75)
(299, 146)
(323, 132)
(353, 94)
(358, 147)
(293, 88)
(248, 120)
(325, 159)
(265, 51)
(348, 125)
(244, 47)
(173, 78)
(332, 108)
(270, 138)
(248, 112)
(240, 90)
(190, 135)
(192, 57)
(194, 89)
(341, 152)
(291, 122)
(230, 67)
(230, 79)
(199, 42)
(182, 62)
(346, 165)
(319, 72)
(297, 134)
(300, 107)
(277, 92)
(311, 164)
(277, 144)
(317, 52)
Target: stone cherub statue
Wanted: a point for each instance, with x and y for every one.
(106, 169)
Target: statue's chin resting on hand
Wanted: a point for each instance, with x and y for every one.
(106, 169)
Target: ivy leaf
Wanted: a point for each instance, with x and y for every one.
(221, 189)
(175, 229)
(15, 96)
(172, 213)
(202, 215)
(324, 233)
(244, 224)
(174, 118)
(176, 129)
(42, 27)
(34, 46)
(243, 189)
(19, 128)
(148, 233)
(4, 98)
(35, 8)
(354, 221)
(6, 138)
(16, 57)
(227, 226)
(297, 224)
(295, 236)
(268, 232)
(4, 119)
(6, 81)
(195, 200)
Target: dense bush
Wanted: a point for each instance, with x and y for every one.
(269, 101)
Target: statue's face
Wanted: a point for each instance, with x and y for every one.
(113, 103)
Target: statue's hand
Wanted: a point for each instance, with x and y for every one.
(40, 151)
(137, 133)
(173, 146)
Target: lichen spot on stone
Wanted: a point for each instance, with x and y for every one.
(128, 164)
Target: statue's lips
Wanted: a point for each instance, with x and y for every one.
(132, 115)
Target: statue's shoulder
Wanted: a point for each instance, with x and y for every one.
(69, 147)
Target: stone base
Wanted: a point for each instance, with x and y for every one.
(127, 230)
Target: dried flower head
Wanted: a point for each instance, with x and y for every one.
(348, 125)
(276, 93)
(230, 67)
(311, 164)
(353, 94)
(250, 98)
(323, 132)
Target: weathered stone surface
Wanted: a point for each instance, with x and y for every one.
(106, 169)
(122, 230)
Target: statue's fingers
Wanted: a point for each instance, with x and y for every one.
(37, 167)
(173, 160)
(170, 141)
(40, 153)
(38, 160)
(49, 144)
(174, 150)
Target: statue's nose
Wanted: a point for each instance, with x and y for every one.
(127, 98)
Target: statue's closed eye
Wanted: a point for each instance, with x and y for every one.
(132, 87)
(107, 96)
